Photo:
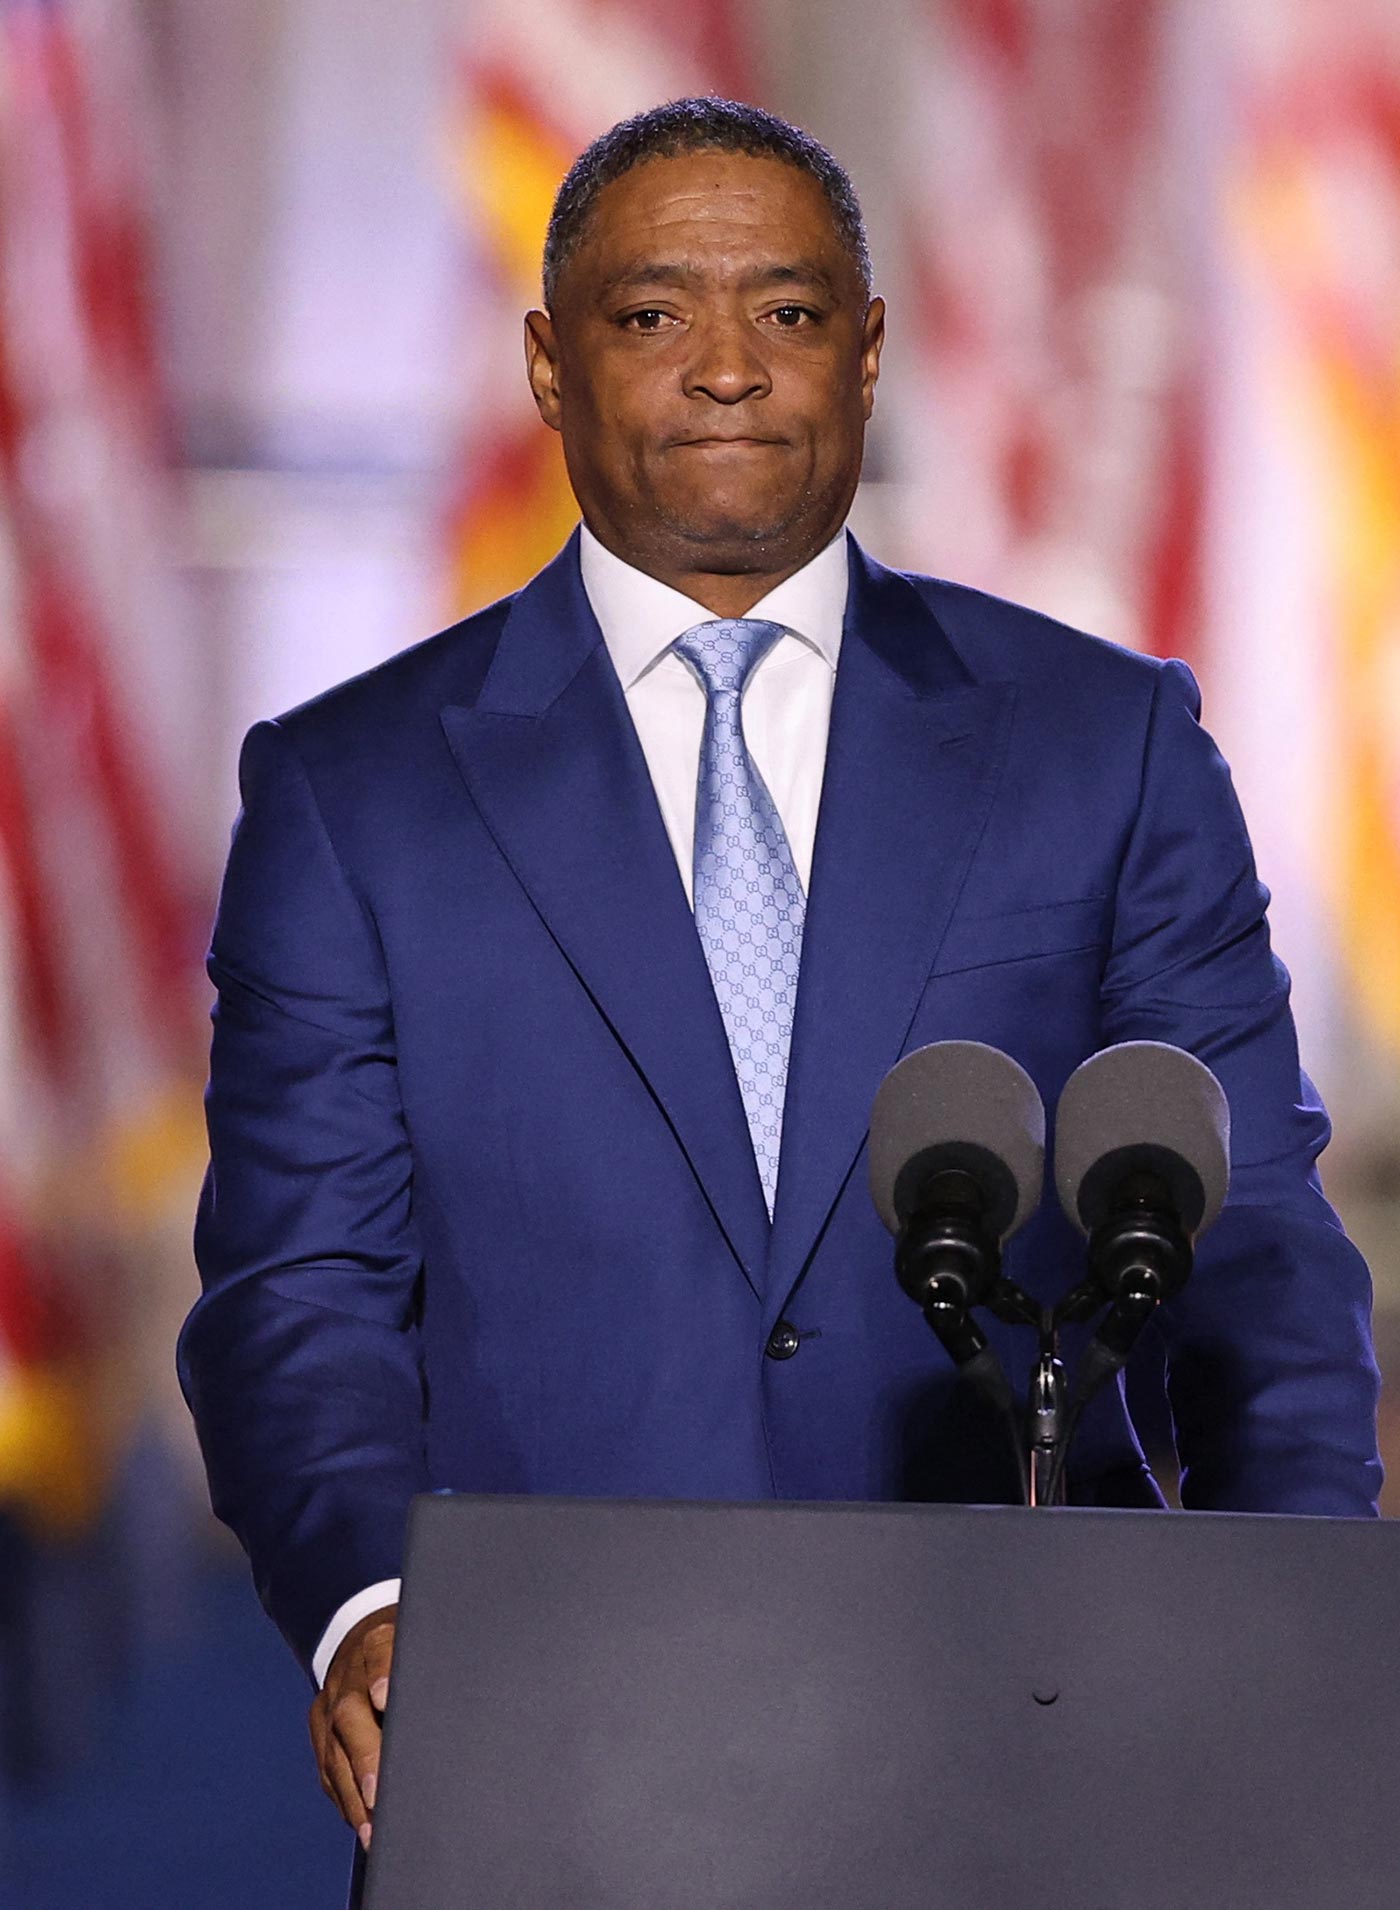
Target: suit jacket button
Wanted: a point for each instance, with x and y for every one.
(783, 1341)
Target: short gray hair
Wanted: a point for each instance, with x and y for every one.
(681, 126)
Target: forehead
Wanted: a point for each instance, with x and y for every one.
(713, 200)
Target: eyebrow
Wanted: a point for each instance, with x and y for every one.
(677, 272)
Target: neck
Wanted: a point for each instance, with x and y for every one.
(727, 596)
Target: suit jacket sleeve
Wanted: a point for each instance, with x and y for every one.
(1271, 1374)
(300, 1361)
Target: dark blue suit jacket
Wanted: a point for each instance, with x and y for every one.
(482, 1211)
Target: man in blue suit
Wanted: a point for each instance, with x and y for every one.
(534, 1166)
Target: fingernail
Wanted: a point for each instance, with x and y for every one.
(379, 1693)
(367, 1789)
(364, 1835)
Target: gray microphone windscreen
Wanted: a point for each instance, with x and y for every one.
(1143, 1105)
(958, 1104)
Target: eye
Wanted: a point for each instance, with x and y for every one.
(647, 319)
(789, 317)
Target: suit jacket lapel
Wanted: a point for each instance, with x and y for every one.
(915, 752)
(551, 758)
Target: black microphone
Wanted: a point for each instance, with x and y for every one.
(1147, 1107)
(1142, 1167)
(957, 1152)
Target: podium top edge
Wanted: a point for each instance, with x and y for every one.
(555, 1503)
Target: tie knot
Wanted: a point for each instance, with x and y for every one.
(727, 650)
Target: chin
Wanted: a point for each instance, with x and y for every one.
(738, 541)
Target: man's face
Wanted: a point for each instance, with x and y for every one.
(711, 362)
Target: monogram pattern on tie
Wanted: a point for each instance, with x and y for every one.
(749, 905)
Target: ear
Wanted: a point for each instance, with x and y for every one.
(871, 343)
(542, 365)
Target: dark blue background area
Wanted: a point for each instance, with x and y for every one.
(197, 1790)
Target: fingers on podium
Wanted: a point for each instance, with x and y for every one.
(346, 1731)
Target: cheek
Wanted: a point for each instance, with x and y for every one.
(619, 419)
(599, 439)
(823, 402)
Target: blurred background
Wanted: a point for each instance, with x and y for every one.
(263, 422)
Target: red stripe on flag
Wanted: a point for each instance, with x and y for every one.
(35, 945)
(1172, 608)
(497, 87)
(37, 1323)
(76, 696)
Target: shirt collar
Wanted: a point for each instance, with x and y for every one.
(641, 617)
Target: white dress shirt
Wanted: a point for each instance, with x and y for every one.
(787, 700)
(786, 712)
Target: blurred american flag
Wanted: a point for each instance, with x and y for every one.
(1156, 391)
(98, 1021)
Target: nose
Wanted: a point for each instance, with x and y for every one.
(726, 363)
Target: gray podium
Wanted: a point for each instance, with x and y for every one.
(787, 1707)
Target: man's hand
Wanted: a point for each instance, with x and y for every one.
(345, 1718)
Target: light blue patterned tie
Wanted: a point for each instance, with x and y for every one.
(749, 903)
